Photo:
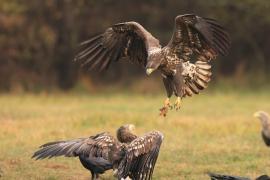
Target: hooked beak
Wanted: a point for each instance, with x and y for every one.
(149, 71)
(131, 127)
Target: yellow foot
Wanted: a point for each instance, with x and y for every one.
(167, 103)
(177, 103)
(164, 110)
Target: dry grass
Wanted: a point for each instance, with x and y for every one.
(212, 132)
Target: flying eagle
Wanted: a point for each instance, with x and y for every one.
(265, 122)
(214, 176)
(129, 155)
(194, 39)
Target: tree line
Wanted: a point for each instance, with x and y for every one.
(38, 39)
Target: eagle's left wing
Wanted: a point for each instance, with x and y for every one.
(201, 39)
(140, 157)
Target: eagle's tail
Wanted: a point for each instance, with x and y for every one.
(197, 76)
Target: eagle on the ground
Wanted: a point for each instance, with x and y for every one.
(215, 176)
(128, 155)
(265, 122)
(194, 39)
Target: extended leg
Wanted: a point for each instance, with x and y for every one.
(177, 104)
(178, 87)
(167, 81)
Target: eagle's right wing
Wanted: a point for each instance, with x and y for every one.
(128, 39)
(140, 157)
(94, 146)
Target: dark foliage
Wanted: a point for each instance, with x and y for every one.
(38, 38)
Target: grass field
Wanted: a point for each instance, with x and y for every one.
(212, 132)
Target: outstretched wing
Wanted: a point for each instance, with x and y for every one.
(94, 146)
(140, 158)
(199, 39)
(204, 36)
(127, 39)
(214, 176)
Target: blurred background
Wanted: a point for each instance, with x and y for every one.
(38, 40)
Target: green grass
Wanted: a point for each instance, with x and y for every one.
(212, 132)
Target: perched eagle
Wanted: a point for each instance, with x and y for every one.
(194, 39)
(265, 122)
(214, 176)
(129, 155)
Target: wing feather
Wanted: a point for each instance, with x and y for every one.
(141, 155)
(96, 146)
(203, 34)
(197, 76)
(127, 39)
(200, 39)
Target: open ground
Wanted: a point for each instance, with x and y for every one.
(213, 132)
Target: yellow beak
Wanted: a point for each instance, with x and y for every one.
(131, 127)
(149, 71)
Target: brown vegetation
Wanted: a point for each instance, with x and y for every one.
(38, 38)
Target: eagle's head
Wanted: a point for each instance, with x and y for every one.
(125, 133)
(264, 118)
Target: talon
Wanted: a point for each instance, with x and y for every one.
(163, 111)
(177, 103)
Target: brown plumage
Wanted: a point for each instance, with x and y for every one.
(194, 38)
(123, 133)
(215, 176)
(265, 122)
(129, 155)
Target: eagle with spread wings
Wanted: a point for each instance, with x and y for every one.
(128, 155)
(184, 62)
